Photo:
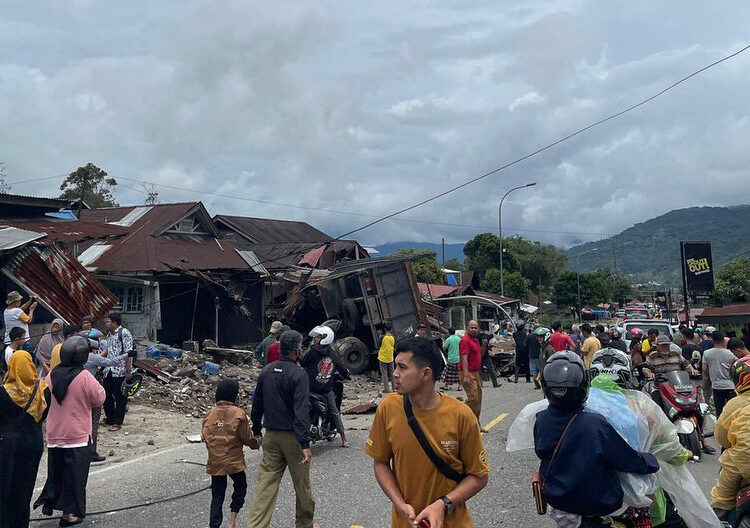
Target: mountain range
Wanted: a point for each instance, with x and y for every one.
(648, 251)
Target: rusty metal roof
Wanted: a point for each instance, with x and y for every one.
(67, 232)
(148, 248)
(268, 231)
(727, 311)
(60, 283)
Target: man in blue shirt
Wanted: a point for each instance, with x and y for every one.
(582, 478)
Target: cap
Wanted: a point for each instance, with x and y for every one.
(663, 340)
(13, 297)
(275, 327)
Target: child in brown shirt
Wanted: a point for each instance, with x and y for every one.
(226, 429)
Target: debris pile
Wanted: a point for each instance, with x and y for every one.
(182, 384)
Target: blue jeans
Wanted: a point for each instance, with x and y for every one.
(534, 366)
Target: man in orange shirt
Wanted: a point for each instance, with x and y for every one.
(413, 483)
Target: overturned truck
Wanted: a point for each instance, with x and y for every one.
(355, 299)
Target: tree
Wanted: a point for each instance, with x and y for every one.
(483, 252)
(4, 185)
(616, 287)
(454, 264)
(425, 265)
(733, 282)
(516, 285)
(565, 289)
(90, 183)
(540, 263)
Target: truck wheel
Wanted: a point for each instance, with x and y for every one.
(354, 354)
(350, 313)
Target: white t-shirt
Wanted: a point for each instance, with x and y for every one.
(8, 354)
(15, 317)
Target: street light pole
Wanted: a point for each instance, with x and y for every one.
(500, 230)
(578, 277)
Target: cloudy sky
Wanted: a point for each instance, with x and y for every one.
(366, 107)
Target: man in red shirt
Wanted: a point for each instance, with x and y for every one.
(560, 341)
(470, 352)
(274, 351)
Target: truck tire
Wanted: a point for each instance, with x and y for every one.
(354, 354)
(350, 314)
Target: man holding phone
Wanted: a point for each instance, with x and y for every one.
(15, 313)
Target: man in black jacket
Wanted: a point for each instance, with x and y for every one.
(522, 354)
(320, 366)
(281, 402)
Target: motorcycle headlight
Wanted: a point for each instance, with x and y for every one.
(684, 401)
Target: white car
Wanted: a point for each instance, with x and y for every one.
(645, 325)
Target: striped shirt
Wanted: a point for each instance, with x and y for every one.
(659, 363)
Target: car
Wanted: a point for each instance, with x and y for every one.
(645, 325)
(620, 314)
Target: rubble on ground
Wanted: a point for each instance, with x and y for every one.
(183, 385)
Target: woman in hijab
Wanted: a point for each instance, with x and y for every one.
(24, 402)
(46, 344)
(74, 393)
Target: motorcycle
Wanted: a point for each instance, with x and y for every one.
(678, 397)
(321, 427)
(740, 516)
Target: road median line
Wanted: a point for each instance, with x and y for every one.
(496, 421)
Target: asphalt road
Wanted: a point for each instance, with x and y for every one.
(344, 487)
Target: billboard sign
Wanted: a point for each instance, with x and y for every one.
(697, 267)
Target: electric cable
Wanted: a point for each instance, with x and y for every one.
(135, 506)
(549, 145)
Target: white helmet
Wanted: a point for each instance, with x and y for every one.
(614, 364)
(324, 331)
(709, 330)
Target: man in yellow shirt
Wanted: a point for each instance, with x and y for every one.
(649, 344)
(413, 483)
(385, 358)
(590, 345)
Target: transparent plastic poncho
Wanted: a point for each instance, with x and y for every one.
(643, 424)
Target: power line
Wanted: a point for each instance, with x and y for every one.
(350, 213)
(548, 146)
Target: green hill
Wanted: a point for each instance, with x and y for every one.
(650, 251)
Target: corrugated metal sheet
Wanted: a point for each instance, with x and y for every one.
(727, 311)
(266, 231)
(12, 237)
(91, 254)
(132, 217)
(60, 282)
(253, 261)
(68, 232)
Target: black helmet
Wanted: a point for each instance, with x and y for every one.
(75, 351)
(565, 381)
(131, 386)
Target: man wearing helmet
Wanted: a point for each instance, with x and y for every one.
(584, 481)
(732, 432)
(616, 342)
(320, 366)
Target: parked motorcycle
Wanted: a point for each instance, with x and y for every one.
(678, 397)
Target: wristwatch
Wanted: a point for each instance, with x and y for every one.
(449, 506)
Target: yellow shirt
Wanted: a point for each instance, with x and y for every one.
(385, 354)
(590, 346)
(646, 346)
(55, 360)
(453, 432)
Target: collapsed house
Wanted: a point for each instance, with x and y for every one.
(174, 276)
(46, 270)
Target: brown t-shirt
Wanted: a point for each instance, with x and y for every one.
(453, 432)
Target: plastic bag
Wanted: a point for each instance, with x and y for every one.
(656, 435)
(658, 509)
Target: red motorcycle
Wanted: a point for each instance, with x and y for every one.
(678, 397)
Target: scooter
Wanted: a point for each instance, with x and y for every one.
(679, 399)
(320, 426)
(740, 516)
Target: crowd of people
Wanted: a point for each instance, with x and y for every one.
(64, 382)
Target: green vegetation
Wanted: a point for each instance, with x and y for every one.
(90, 183)
(732, 283)
(425, 265)
(650, 251)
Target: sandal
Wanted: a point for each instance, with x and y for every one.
(115, 428)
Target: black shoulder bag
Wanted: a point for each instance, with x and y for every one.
(33, 395)
(441, 465)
